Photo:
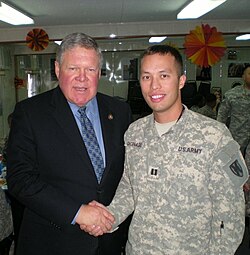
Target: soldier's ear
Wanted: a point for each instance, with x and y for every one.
(182, 81)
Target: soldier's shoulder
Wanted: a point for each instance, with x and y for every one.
(201, 122)
(141, 122)
(138, 127)
(234, 91)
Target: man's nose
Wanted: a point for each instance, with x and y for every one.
(81, 76)
(155, 84)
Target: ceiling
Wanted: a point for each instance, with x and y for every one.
(63, 12)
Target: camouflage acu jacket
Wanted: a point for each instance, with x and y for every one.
(184, 187)
(235, 106)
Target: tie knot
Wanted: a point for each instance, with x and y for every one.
(82, 110)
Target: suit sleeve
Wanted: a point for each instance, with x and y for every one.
(24, 179)
(228, 174)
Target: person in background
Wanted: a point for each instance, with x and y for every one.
(198, 101)
(235, 84)
(208, 108)
(247, 185)
(217, 93)
(4, 152)
(16, 207)
(49, 168)
(183, 172)
(235, 107)
(6, 224)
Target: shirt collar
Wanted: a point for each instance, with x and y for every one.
(91, 108)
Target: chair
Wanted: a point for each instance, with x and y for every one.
(135, 98)
(188, 92)
(204, 88)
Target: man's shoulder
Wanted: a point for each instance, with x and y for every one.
(39, 98)
(198, 121)
(234, 91)
(138, 127)
(141, 122)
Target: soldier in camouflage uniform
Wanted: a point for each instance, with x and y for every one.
(208, 108)
(247, 185)
(183, 173)
(6, 224)
(235, 106)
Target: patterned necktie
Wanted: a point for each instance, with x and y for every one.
(91, 143)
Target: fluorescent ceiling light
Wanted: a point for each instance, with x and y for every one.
(12, 16)
(112, 36)
(243, 37)
(157, 39)
(58, 42)
(197, 8)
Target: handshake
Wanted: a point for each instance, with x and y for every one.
(95, 219)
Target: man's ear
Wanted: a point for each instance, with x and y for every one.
(182, 81)
(57, 69)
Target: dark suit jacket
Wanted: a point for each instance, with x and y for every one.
(50, 172)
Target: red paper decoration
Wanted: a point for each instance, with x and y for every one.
(37, 39)
(19, 83)
(204, 46)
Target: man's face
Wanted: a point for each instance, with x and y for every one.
(160, 84)
(246, 77)
(78, 75)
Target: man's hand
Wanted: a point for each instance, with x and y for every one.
(93, 230)
(95, 220)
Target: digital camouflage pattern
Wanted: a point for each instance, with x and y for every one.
(207, 111)
(184, 187)
(5, 216)
(236, 105)
(247, 159)
(247, 193)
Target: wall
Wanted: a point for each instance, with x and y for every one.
(179, 27)
(113, 81)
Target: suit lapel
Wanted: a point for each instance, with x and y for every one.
(106, 119)
(64, 117)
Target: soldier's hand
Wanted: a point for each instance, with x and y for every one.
(95, 219)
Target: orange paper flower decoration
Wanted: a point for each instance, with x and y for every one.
(204, 46)
(37, 39)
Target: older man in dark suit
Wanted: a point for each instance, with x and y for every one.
(49, 166)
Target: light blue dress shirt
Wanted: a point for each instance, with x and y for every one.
(93, 115)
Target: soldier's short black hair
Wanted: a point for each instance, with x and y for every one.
(163, 50)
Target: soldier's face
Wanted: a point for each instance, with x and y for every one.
(160, 83)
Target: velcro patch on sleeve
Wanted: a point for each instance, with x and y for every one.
(234, 163)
